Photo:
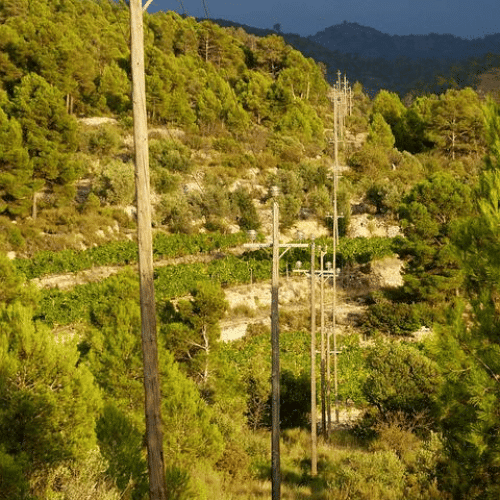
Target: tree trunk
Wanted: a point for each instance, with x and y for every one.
(207, 352)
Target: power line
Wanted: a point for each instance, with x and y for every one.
(184, 11)
(205, 8)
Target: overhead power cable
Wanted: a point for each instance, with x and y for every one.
(184, 11)
(205, 8)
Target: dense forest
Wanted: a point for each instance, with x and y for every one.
(232, 114)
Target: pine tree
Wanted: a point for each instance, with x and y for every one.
(401, 379)
(50, 133)
(115, 86)
(468, 347)
(380, 133)
(428, 215)
(193, 330)
(457, 123)
(111, 349)
(252, 91)
(389, 106)
(16, 171)
(48, 401)
(248, 217)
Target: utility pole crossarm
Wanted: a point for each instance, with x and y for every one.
(257, 245)
(287, 247)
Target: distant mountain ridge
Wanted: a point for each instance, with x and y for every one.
(353, 38)
(409, 71)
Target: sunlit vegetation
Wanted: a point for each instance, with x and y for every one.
(232, 114)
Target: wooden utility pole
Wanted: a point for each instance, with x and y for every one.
(314, 437)
(335, 237)
(152, 403)
(334, 262)
(275, 341)
(335, 241)
(334, 301)
(323, 344)
(275, 350)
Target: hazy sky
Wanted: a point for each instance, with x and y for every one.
(465, 18)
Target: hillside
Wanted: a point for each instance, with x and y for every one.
(227, 108)
(411, 328)
(408, 65)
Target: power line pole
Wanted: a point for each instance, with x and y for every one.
(314, 438)
(338, 124)
(334, 301)
(323, 346)
(275, 369)
(152, 400)
(275, 345)
(336, 96)
(335, 240)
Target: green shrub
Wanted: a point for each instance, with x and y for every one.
(83, 479)
(171, 155)
(91, 204)
(402, 379)
(421, 458)
(397, 318)
(234, 461)
(101, 141)
(248, 217)
(227, 145)
(239, 161)
(360, 475)
(266, 160)
(176, 213)
(15, 238)
(165, 182)
(395, 434)
(116, 183)
(179, 484)
(13, 483)
(320, 201)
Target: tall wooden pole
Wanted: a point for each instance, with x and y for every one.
(275, 346)
(275, 369)
(154, 435)
(335, 241)
(334, 302)
(323, 345)
(314, 425)
(328, 378)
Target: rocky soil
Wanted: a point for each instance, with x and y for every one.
(252, 304)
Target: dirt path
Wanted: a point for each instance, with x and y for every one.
(250, 304)
(254, 302)
(66, 281)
